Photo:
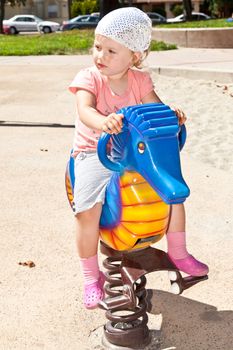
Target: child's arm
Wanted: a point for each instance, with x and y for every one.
(152, 97)
(86, 104)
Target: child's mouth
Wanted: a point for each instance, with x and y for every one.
(100, 65)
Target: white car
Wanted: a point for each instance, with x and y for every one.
(29, 23)
(196, 16)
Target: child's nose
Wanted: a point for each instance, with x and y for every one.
(101, 54)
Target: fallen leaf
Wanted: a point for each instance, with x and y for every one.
(27, 263)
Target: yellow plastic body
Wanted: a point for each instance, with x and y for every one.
(144, 218)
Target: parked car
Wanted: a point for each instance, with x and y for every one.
(29, 23)
(156, 18)
(81, 22)
(196, 16)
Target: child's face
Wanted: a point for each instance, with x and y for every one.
(110, 57)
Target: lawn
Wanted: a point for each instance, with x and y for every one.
(81, 41)
(64, 43)
(211, 23)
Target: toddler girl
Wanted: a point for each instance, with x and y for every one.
(122, 40)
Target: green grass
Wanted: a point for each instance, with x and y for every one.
(211, 23)
(161, 46)
(66, 43)
(80, 41)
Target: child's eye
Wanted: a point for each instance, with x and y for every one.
(112, 51)
(97, 47)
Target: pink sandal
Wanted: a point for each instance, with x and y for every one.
(94, 292)
(191, 266)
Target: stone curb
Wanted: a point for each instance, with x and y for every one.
(195, 73)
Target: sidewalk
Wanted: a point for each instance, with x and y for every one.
(207, 64)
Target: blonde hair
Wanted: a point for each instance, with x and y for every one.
(138, 61)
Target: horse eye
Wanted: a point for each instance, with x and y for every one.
(141, 147)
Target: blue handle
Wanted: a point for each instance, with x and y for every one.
(102, 154)
(182, 136)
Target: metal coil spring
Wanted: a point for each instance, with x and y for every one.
(127, 318)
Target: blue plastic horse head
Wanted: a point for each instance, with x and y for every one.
(149, 144)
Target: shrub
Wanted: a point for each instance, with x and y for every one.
(177, 10)
(84, 7)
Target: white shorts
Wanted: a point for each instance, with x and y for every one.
(91, 179)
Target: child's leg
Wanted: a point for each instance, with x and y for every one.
(176, 241)
(87, 237)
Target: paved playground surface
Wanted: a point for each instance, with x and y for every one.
(41, 307)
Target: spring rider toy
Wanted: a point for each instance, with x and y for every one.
(146, 181)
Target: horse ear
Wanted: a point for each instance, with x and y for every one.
(102, 154)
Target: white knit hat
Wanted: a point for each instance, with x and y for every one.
(129, 26)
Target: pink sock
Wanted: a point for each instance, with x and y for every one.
(176, 243)
(90, 268)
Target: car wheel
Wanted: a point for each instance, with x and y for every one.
(46, 30)
(12, 30)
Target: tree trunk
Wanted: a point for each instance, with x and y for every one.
(69, 8)
(2, 14)
(188, 9)
(107, 6)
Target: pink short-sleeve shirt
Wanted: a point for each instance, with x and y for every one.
(90, 79)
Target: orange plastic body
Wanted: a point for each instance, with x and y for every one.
(144, 218)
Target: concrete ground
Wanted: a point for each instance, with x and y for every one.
(209, 64)
(41, 307)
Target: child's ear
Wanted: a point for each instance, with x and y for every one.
(137, 57)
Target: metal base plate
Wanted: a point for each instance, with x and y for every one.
(109, 346)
